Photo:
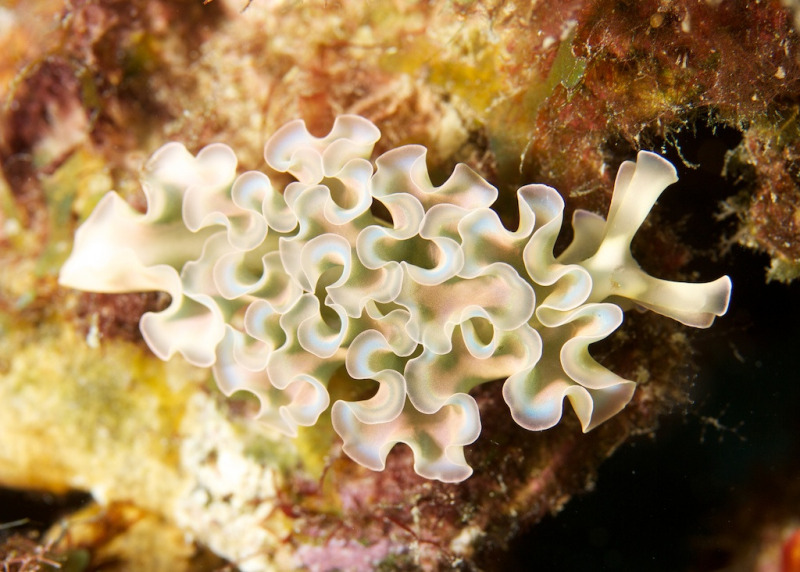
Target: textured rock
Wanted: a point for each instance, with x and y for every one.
(521, 93)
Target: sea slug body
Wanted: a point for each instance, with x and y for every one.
(278, 289)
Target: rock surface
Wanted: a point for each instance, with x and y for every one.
(521, 94)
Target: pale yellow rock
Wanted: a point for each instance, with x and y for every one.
(117, 422)
(103, 419)
(122, 538)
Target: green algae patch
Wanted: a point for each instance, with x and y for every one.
(468, 69)
(513, 122)
(78, 183)
(315, 443)
(77, 186)
(267, 451)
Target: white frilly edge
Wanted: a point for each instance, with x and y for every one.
(278, 290)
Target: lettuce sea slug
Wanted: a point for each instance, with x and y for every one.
(277, 289)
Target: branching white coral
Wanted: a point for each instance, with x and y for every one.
(279, 289)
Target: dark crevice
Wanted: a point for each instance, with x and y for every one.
(25, 511)
(673, 501)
